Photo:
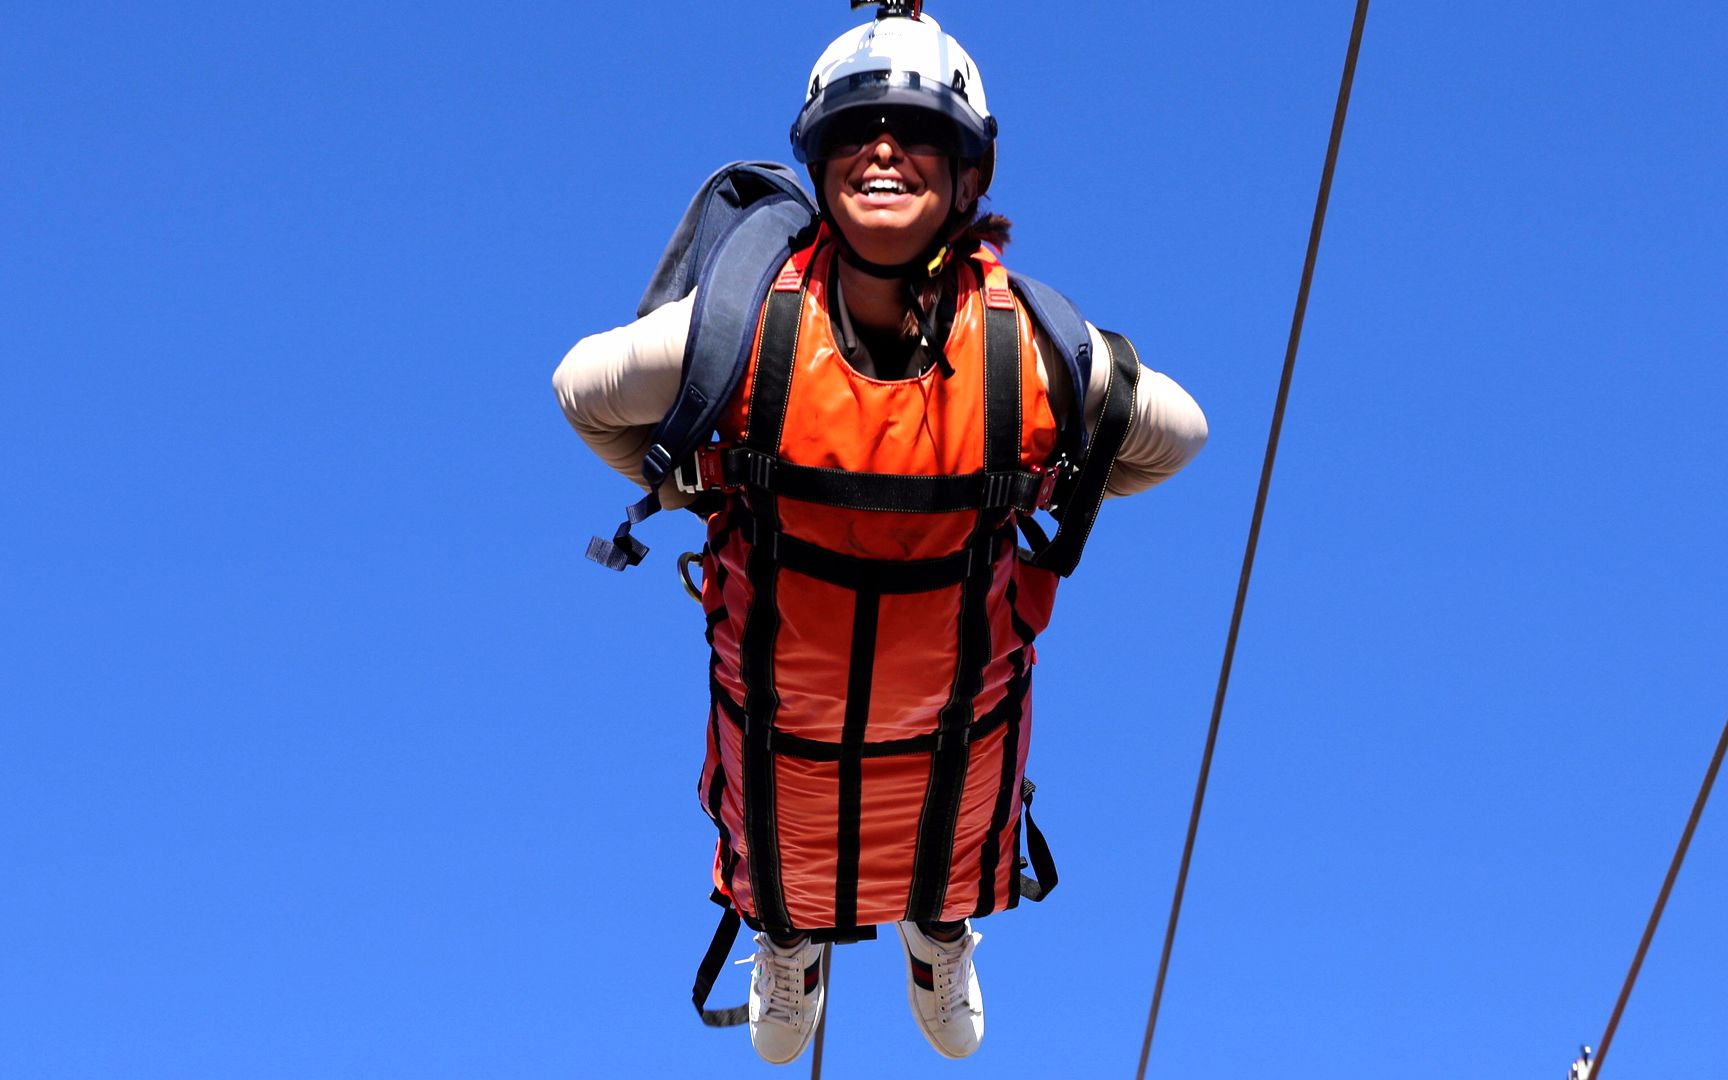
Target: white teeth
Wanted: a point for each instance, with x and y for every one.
(884, 187)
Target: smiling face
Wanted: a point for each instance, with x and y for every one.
(890, 203)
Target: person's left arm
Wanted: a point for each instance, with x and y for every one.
(1165, 432)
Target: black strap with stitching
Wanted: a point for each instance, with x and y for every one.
(770, 390)
(1078, 501)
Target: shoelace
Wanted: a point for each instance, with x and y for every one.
(950, 968)
(779, 983)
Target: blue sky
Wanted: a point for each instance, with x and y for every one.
(325, 754)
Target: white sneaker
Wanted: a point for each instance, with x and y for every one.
(786, 998)
(943, 988)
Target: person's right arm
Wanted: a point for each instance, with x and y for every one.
(614, 387)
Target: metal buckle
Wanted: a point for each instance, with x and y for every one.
(1049, 475)
(761, 469)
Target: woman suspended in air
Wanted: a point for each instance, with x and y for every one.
(873, 577)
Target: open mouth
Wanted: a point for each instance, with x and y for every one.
(882, 191)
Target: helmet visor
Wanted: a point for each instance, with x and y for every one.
(918, 131)
(878, 91)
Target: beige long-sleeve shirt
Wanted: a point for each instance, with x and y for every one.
(615, 386)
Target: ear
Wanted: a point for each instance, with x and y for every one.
(966, 189)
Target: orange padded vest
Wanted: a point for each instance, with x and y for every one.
(871, 669)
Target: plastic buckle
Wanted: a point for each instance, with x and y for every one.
(655, 463)
(693, 484)
(707, 475)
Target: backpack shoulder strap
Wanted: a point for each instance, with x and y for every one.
(724, 197)
(737, 234)
(1061, 321)
(729, 293)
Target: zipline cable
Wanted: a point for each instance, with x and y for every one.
(822, 1024)
(1661, 902)
(1259, 513)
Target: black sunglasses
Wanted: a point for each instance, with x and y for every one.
(918, 131)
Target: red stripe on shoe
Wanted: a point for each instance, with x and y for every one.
(922, 974)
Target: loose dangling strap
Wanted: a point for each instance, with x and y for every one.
(712, 962)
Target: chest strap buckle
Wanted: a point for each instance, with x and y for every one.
(702, 471)
(1048, 477)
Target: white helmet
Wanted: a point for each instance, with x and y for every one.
(900, 59)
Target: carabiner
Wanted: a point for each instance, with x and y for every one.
(690, 586)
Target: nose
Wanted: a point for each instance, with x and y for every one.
(885, 149)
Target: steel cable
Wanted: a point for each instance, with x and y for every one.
(1595, 1072)
(822, 1024)
(1254, 528)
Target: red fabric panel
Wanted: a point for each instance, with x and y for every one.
(730, 757)
(807, 818)
(811, 656)
(888, 834)
(914, 663)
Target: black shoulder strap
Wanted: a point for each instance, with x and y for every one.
(1079, 501)
(770, 390)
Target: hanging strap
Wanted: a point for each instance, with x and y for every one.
(713, 961)
(1044, 878)
(623, 549)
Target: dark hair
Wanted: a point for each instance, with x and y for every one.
(992, 229)
(986, 228)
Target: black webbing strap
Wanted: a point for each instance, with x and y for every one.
(1044, 880)
(713, 961)
(771, 387)
(1079, 503)
(1009, 710)
(1002, 431)
(1011, 487)
(886, 576)
(860, 674)
(934, 853)
(624, 550)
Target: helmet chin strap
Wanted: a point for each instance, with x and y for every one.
(922, 267)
